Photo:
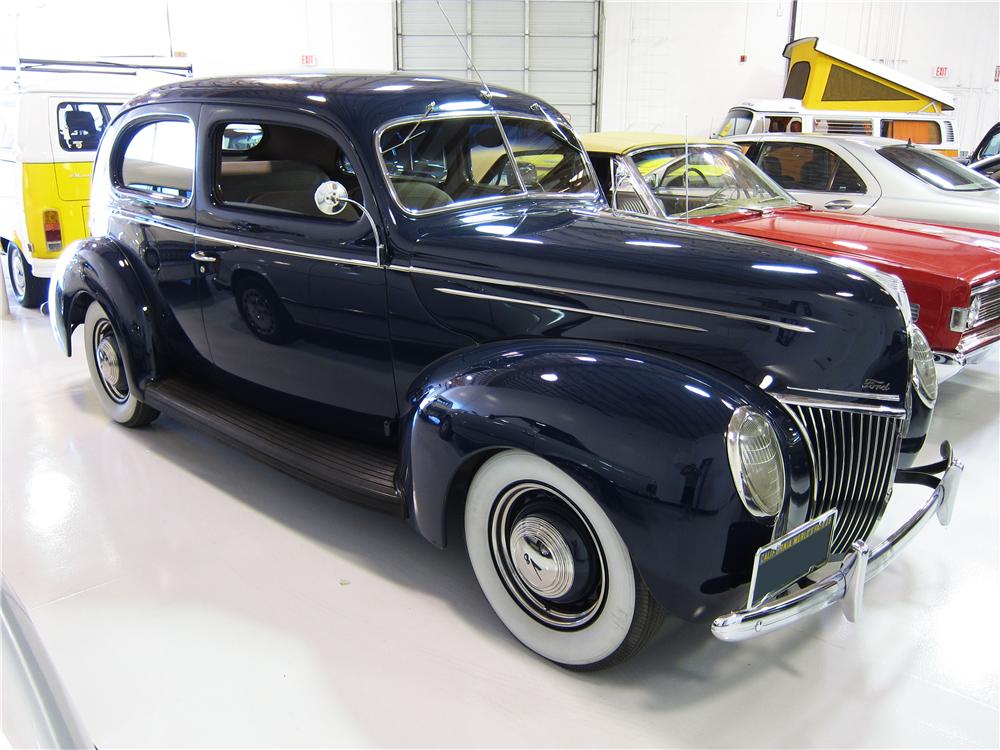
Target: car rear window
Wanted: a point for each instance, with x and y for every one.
(159, 160)
(934, 169)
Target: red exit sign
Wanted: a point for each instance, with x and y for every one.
(941, 72)
(311, 60)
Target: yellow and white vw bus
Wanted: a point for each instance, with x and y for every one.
(52, 114)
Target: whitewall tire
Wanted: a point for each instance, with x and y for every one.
(107, 371)
(553, 566)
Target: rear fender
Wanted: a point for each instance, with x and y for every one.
(98, 269)
(644, 433)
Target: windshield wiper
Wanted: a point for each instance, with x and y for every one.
(413, 131)
(683, 214)
(555, 125)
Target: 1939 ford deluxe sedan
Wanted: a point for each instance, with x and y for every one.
(410, 291)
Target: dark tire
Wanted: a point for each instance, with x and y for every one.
(107, 371)
(553, 566)
(263, 311)
(29, 290)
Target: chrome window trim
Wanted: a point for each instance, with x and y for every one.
(597, 196)
(562, 308)
(848, 394)
(896, 412)
(597, 295)
(117, 164)
(157, 222)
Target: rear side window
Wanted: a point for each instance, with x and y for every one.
(802, 166)
(81, 124)
(159, 160)
(279, 168)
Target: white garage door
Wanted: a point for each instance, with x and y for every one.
(546, 47)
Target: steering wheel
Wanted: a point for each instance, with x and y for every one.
(679, 180)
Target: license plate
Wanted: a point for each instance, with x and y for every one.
(796, 554)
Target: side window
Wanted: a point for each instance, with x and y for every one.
(159, 160)
(806, 167)
(81, 124)
(277, 168)
(991, 148)
(916, 131)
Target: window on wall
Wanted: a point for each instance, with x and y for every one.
(159, 160)
(806, 167)
(277, 168)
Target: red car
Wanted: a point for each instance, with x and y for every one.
(951, 275)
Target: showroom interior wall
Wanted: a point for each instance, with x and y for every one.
(681, 62)
(683, 58)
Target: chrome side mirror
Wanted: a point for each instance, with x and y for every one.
(331, 197)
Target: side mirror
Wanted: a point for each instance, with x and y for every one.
(330, 197)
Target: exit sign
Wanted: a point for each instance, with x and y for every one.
(311, 60)
(941, 72)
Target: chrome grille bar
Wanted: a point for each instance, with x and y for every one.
(854, 459)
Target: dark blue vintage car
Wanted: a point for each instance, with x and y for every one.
(409, 291)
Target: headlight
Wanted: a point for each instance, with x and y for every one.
(755, 461)
(892, 285)
(924, 372)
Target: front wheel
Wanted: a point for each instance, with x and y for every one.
(107, 371)
(553, 566)
(29, 290)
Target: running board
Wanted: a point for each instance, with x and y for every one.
(349, 470)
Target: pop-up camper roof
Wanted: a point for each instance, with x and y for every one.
(825, 76)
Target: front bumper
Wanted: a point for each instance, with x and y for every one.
(846, 584)
(974, 347)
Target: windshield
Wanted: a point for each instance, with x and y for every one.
(713, 180)
(438, 163)
(737, 122)
(936, 170)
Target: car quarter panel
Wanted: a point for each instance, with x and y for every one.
(643, 432)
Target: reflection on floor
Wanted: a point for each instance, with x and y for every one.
(190, 596)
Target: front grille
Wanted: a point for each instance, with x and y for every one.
(854, 458)
(989, 303)
(914, 312)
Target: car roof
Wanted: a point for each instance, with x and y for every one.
(870, 141)
(622, 142)
(362, 100)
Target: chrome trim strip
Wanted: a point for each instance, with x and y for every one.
(580, 310)
(848, 394)
(138, 219)
(896, 412)
(597, 295)
(797, 420)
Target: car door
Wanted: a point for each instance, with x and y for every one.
(152, 174)
(817, 175)
(296, 298)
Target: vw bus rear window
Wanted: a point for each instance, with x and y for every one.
(81, 124)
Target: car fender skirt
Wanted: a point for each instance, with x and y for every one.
(643, 432)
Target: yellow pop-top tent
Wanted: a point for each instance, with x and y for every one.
(825, 76)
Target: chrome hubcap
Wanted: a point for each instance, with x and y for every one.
(542, 558)
(18, 279)
(109, 363)
(548, 556)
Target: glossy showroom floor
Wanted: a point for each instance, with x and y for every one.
(192, 597)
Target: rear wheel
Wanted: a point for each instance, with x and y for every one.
(107, 370)
(553, 566)
(29, 290)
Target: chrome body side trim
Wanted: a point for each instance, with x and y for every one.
(846, 583)
(562, 308)
(597, 295)
(199, 234)
(847, 394)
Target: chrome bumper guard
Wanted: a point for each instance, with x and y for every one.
(847, 584)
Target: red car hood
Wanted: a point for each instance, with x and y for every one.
(970, 255)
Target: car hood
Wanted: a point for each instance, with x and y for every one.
(970, 255)
(749, 307)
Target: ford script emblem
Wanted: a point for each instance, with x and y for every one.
(871, 384)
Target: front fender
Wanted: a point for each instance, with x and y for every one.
(643, 432)
(98, 269)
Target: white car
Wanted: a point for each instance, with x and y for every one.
(877, 177)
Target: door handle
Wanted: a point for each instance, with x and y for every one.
(838, 205)
(199, 256)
